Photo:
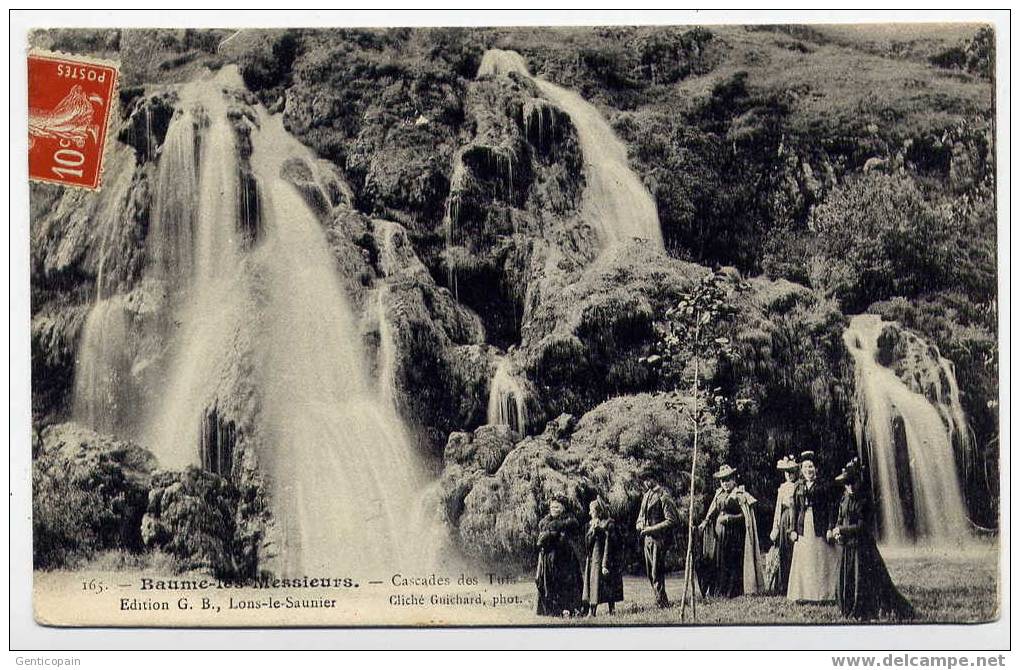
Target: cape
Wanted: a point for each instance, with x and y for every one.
(754, 578)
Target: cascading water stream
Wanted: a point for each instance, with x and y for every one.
(103, 397)
(342, 467)
(341, 470)
(615, 202)
(507, 404)
(907, 440)
(387, 364)
(170, 243)
(197, 222)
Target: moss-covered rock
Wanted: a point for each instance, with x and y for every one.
(89, 493)
(586, 326)
(607, 452)
(789, 387)
(148, 118)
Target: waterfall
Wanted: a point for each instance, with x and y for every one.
(103, 393)
(170, 241)
(615, 202)
(507, 399)
(906, 436)
(387, 363)
(341, 466)
(270, 313)
(205, 265)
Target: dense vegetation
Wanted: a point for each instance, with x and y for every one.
(857, 163)
(825, 171)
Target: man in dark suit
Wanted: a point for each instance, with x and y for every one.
(656, 521)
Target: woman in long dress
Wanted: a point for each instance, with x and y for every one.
(730, 541)
(814, 563)
(783, 523)
(603, 569)
(864, 588)
(558, 576)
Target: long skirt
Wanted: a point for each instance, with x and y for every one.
(600, 588)
(813, 569)
(559, 582)
(729, 561)
(785, 545)
(865, 588)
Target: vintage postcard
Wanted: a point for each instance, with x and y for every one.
(546, 326)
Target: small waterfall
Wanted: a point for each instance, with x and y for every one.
(615, 202)
(451, 218)
(906, 435)
(387, 363)
(342, 466)
(507, 404)
(103, 392)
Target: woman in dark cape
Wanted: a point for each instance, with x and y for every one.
(558, 575)
(603, 568)
(864, 589)
(730, 544)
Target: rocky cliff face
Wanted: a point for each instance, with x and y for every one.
(450, 204)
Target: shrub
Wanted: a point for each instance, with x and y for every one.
(879, 237)
(268, 61)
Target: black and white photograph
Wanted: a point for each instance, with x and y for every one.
(547, 326)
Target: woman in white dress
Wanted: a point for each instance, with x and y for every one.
(814, 568)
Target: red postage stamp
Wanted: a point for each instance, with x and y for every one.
(69, 103)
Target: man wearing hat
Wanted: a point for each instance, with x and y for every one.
(656, 521)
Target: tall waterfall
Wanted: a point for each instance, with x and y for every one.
(615, 202)
(342, 465)
(196, 229)
(507, 404)
(907, 438)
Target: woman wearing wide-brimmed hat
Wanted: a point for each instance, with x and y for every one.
(864, 588)
(814, 562)
(783, 523)
(730, 541)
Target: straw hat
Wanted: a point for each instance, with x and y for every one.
(787, 463)
(807, 456)
(724, 472)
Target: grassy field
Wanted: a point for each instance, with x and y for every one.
(943, 589)
(957, 588)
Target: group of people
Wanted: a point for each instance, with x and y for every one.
(823, 544)
(822, 550)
